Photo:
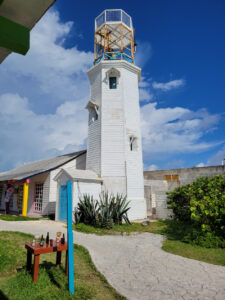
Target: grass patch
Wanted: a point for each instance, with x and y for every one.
(52, 283)
(17, 218)
(12, 251)
(154, 227)
(209, 255)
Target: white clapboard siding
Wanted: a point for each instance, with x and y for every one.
(94, 147)
(80, 188)
(112, 130)
(76, 163)
(94, 128)
(108, 151)
(45, 179)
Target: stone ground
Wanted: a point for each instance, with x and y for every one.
(137, 267)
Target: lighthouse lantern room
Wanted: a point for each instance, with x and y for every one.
(114, 36)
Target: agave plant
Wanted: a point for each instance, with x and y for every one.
(87, 210)
(109, 210)
(113, 210)
(106, 210)
(120, 209)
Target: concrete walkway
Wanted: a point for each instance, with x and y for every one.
(138, 268)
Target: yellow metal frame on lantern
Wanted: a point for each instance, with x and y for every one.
(114, 34)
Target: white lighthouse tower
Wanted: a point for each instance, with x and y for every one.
(114, 148)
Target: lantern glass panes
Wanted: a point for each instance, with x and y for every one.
(126, 19)
(113, 15)
(100, 20)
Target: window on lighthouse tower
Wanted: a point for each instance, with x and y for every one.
(93, 115)
(133, 143)
(112, 82)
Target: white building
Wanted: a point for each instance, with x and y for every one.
(42, 191)
(114, 149)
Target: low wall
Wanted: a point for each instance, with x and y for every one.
(157, 183)
(155, 195)
(184, 175)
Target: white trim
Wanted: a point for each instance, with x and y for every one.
(117, 64)
(112, 72)
(92, 105)
(77, 178)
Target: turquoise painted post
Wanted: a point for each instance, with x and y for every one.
(70, 238)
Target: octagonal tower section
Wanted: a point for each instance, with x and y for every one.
(114, 146)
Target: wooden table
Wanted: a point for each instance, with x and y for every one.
(37, 250)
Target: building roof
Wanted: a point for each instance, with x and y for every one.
(37, 167)
(79, 175)
(24, 12)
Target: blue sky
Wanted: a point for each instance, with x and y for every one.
(181, 50)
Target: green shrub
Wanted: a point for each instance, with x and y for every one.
(204, 239)
(113, 210)
(120, 209)
(179, 202)
(207, 204)
(87, 210)
(202, 204)
(105, 212)
(106, 206)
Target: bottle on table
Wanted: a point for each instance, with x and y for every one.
(63, 239)
(42, 241)
(47, 238)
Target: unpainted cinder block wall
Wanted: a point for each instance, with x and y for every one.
(157, 183)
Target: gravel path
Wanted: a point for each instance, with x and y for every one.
(138, 268)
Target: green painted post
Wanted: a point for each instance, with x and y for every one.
(13, 36)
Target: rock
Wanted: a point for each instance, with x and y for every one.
(145, 223)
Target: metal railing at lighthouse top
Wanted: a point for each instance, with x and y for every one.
(114, 36)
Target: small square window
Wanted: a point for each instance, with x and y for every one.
(112, 83)
(93, 115)
(133, 143)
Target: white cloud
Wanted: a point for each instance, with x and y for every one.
(167, 86)
(29, 136)
(52, 69)
(217, 158)
(201, 164)
(152, 167)
(143, 54)
(43, 96)
(145, 93)
(175, 130)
